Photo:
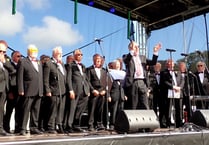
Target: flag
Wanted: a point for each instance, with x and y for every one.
(132, 32)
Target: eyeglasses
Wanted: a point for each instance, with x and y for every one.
(18, 55)
(2, 51)
(199, 65)
(79, 54)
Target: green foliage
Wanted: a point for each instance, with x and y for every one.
(193, 58)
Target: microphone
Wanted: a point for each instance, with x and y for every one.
(98, 40)
(198, 52)
(184, 54)
(192, 74)
(171, 50)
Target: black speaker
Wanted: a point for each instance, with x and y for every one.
(129, 121)
(200, 118)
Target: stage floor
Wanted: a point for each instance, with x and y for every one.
(157, 137)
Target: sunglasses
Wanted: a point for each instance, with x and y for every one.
(18, 55)
(79, 54)
(199, 65)
(2, 51)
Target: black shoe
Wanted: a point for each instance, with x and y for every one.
(51, 131)
(91, 128)
(4, 133)
(60, 129)
(42, 130)
(69, 130)
(100, 127)
(17, 131)
(78, 129)
(8, 131)
(22, 132)
(112, 127)
(35, 131)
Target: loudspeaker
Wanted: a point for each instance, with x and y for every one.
(128, 121)
(200, 118)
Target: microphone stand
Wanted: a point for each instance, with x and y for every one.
(188, 86)
(107, 80)
(172, 104)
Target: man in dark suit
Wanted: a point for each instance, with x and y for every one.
(172, 82)
(187, 90)
(78, 91)
(5, 67)
(12, 95)
(117, 96)
(155, 87)
(30, 89)
(98, 79)
(135, 79)
(202, 85)
(55, 89)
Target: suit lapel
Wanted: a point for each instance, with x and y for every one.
(30, 63)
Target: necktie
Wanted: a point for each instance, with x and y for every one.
(138, 66)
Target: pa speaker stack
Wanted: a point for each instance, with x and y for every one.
(201, 118)
(129, 121)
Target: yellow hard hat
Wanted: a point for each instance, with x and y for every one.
(32, 48)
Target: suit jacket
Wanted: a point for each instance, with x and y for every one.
(130, 67)
(54, 79)
(167, 82)
(76, 81)
(116, 91)
(96, 83)
(6, 74)
(4, 86)
(202, 88)
(154, 86)
(13, 75)
(188, 88)
(29, 80)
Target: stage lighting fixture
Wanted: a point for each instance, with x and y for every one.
(91, 3)
(112, 10)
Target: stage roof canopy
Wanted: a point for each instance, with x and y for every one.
(155, 14)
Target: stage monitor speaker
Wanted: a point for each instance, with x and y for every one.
(200, 118)
(129, 121)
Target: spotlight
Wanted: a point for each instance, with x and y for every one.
(91, 3)
(112, 10)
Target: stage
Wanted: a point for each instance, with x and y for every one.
(157, 137)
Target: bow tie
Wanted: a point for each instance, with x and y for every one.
(200, 72)
(183, 72)
(157, 73)
(79, 63)
(34, 60)
(60, 62)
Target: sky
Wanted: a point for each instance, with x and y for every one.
(50, 23)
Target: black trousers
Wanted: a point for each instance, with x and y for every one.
(31, 105)
(95, 110)
(115, 107)
(2, 102)
(74, 109)
(139, 95)
(55, 111)
(188, 107)
(12, 103)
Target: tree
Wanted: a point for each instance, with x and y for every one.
(193, 58)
